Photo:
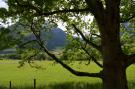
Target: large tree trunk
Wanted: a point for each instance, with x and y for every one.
(114, 66)
(108, 20)
(114, 75)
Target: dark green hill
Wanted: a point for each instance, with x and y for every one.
(54, 39)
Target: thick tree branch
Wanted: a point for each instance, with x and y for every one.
(86, 40)
(77, 73)
(64, 11)
(96, 8)
(130, 60)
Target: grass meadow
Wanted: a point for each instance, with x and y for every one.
(52, 76)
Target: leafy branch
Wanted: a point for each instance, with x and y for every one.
(28, 42)
(92, 57)
(39, 12)
(85, 39)
(127, 19)
(77, 73)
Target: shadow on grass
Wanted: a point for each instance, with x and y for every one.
(73, 85)
(69, 85)
(131, 84)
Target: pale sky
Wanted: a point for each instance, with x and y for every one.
(3, 4)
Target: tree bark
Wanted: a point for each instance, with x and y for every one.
(114, 65)
(114, 75)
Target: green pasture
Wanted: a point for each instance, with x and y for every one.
(52, 75)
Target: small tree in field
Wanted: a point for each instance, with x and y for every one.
(108, 14)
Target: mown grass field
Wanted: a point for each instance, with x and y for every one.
(52, 76)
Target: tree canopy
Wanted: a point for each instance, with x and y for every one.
(106, 36)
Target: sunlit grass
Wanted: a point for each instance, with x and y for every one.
(50, 74)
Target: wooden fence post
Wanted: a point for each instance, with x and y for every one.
(10, 85)
(34, 83)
